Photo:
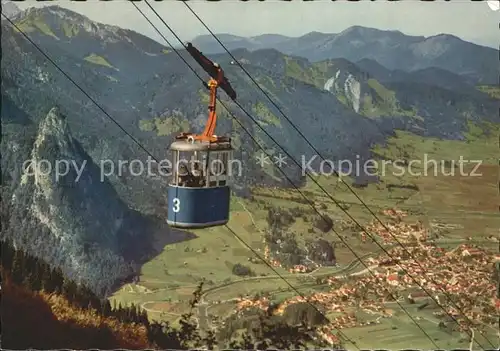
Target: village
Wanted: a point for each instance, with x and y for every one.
(457, 282)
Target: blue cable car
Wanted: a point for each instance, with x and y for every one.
(199, 193)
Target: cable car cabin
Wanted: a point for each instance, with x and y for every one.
(199, 193)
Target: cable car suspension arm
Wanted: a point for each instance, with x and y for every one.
(217, 79)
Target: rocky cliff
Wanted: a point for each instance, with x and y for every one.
(65, 211)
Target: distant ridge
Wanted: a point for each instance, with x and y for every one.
(390, 48)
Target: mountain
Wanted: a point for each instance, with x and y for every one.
(159, 96)
(171, 91)
(207, 44)
(396, 99)
(118, 51)
(81, 223)
(109, 86)
(431, 76)
(9, 9)
(100, 228)
(392, 49)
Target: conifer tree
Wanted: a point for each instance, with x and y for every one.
(36, 283)
(106, 308)
(133, 313)
(17, 267)
(7, 256)
(69, 290)
(57, 279)
(47, 282)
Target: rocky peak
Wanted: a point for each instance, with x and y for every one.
(55, 124)
(84, 226)
(9, 9)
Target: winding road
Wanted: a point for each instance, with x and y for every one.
(204, 306)
(343, 272)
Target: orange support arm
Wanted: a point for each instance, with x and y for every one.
(208, 133)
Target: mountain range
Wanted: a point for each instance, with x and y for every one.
(391, 49)
(345, 92)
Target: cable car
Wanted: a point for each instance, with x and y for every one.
(199, 192)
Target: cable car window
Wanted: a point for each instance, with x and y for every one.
(182, 167)
(222, 179)
(212, 168)
(224, 162)
(218, 167)
(190, 170)
(198, 174)
(175, 157)
(206, 168)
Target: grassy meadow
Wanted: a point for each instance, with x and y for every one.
(455, 206)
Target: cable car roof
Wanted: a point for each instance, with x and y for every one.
(184, 145)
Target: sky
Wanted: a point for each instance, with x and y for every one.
(471, 21)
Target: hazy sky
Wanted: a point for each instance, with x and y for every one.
(472, 21)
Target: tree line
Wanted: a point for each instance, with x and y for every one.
(36, 275)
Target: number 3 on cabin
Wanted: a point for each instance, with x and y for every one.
(177, 204)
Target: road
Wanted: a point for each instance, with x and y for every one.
(326, 271)
(320, 272)
(203, 306)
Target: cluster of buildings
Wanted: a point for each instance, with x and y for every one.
(403, 232)
(449, 278)
(268, 258)
(302, 268)
(394, 213)
(247, 303)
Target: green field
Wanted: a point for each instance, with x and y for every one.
(401, 332)
(453, 207)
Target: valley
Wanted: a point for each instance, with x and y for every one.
(424, 110)
(168, 280)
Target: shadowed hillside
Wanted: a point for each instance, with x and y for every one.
(47, 321)
(43, 309)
